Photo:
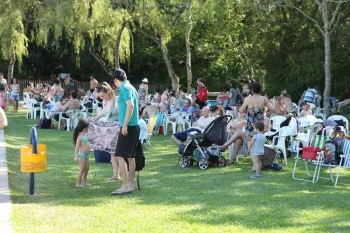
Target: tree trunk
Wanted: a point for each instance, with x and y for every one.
(11, 67)
(174, 78)
(188, 46)
(117, 42)
(98, 59)
(327, 60)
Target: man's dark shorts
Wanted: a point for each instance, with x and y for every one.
(126, 145)
(182, 136)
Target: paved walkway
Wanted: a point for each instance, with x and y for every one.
(5, 198)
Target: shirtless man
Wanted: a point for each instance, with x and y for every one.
(67, 86)
(149, 110)
(93, 83)
(286, 102)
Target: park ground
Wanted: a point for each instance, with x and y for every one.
(172, 199)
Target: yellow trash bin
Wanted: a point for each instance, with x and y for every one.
(33, 162)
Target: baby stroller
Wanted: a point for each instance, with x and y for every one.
(203, 147)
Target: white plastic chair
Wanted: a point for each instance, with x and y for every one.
(71, 120)
(321, 112)
(171, 119)
(340, 117)
(283, 133)
(31, 109)
(345, 156)
(275, 125)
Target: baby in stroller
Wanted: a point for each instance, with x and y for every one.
(203, 147)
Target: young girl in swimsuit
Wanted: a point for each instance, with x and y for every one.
(82, 149)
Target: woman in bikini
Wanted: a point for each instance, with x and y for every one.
(14, 94)
(254, 106)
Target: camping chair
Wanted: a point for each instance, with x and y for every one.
(345, 156)
(150, 126)
(280, 145)
(318, 143)
(160, 122)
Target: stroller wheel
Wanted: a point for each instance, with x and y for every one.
(203, 164)
(183, 162)
(189, 162)
(221, 161)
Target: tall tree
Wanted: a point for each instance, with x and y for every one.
(330, 14)
(13, 40)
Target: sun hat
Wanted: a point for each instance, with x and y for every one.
(145, 80)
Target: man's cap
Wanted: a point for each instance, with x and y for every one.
(119, 73)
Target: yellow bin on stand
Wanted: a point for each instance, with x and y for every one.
(33, 162)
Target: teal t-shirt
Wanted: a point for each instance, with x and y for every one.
(128, 92)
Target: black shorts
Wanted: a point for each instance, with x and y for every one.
(126, 145)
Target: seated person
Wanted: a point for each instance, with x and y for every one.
(199, 126)
(306, 111)
(150, 109)
(71, 104)
(29, 88)
(222, 97)
(234, 126)
(186, 106)
(279, 108)
(216, 111)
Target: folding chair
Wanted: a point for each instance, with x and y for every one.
(160, 120)
(345, 156)
(150, 126)
(318, 143)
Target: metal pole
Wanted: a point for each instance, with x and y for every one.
(33, 141)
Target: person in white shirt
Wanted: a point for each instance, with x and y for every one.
(199, 126)
(306, 111)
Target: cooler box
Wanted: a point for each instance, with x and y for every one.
(102, 156)
(310, 153)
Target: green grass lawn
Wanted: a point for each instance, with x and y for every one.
(172, 199)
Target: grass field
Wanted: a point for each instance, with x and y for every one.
(172, 199)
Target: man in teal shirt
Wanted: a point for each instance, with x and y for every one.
(128, 137)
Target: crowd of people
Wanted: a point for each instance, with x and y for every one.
(115, 128)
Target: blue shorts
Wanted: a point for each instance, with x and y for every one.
(81, 155)
(14, 97)
(182, 136)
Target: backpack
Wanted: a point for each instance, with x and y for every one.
(140, 161)
(331, 152)
(268, 157)
(44, 123)
(202, 94)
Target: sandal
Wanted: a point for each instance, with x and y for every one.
(121, 191)
(255, 176)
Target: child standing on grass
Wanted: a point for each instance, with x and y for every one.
(257, 148)
(82, 149)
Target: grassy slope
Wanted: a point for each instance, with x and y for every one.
(172, 199)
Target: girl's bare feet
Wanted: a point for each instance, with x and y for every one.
(80, 186)
(113, 178)
(86, 184)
